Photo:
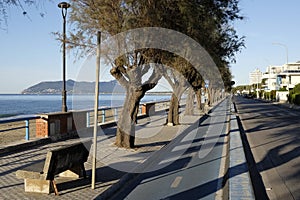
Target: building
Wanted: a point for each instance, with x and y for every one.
(277, 77)
(290, 76)
(269, 78)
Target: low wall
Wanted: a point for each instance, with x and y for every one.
(282, 96)
(59, 123)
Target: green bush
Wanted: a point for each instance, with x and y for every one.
(283, 89)
(296, 89)
(267, 95)
(273, 95)
(270, 95)
(297, 99)
(293, 93)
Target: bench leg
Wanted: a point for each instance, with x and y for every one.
(83, 170)
(54, 187)
(75, 172)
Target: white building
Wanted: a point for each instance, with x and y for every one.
(286, 76)
(269, 78)
(290, 76)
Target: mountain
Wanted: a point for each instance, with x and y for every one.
(73, 87)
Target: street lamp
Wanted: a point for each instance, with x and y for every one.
(286, 49)
(64, 6)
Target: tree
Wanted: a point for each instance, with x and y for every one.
(189, 107)
(179, 84)
(130, 77)
(207, 22)
(113, 17)
(20, 5)
(182, 76)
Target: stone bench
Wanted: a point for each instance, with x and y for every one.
(67, 161)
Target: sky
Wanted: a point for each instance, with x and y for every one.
(29, 52)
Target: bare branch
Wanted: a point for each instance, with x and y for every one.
(119, 76)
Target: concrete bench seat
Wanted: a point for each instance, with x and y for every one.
(67, 161)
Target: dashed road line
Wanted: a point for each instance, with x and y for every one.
(176, 182)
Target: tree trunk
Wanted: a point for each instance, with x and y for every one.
(209, 99)
(189, 108)
(200, 105)
(173, 115)
(126, 124)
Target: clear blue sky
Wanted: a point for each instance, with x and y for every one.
(30, 54)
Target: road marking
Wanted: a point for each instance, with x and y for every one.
(176, 182)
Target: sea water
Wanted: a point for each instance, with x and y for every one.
(17, 104)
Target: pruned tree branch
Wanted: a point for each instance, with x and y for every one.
(116, 72)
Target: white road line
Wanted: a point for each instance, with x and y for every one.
(176, 182)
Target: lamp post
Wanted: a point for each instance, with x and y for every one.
(257, 93)
(64, 6)
(286, 49)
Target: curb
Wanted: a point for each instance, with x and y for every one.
(258, 187)
(239, 181)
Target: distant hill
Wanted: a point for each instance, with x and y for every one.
(73, 87)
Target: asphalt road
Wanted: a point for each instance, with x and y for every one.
(189, 167)
(273, 133)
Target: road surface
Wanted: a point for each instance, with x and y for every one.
(273, 133)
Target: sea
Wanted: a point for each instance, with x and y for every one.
(23, 104)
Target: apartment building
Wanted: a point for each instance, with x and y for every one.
(269, 78)
(290, 76)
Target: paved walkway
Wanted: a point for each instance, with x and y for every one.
(113, 164)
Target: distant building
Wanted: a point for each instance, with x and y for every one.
(290, 76)
(276, 77)
(255, 77)
(269, 78)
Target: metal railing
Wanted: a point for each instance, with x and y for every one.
(111, 114)
(26, 119)
(106, 115)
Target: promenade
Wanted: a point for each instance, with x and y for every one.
(117, 167)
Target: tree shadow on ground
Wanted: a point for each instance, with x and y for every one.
(280, 143)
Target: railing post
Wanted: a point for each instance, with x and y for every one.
(116, 114)
(87, 119)
(103, 116)
(27, 129)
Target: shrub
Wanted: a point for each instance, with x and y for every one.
(283, 89)
(296, 89)
(293, 93)
(267, 95)
(273, 95)
(297, 99)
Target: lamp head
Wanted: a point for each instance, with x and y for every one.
(64, 5)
